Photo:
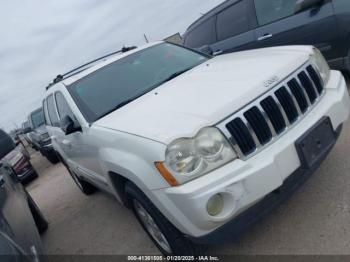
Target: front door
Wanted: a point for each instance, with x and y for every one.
(278, 25)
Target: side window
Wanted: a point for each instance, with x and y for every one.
(268, 11)
(52, 111)
(62, 106)
(233, 20)
(204, 34)
(46, 115)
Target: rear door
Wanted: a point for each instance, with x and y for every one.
(235, 28)
(278, 25)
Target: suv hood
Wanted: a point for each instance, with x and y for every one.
(205, 95)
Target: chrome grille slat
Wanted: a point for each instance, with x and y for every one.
(267, 119)
(286, 120)
(313, 84)
(304, 91)
(254, 118)
(294, 100)
(252, 132)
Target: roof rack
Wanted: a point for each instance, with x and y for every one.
(83, 67)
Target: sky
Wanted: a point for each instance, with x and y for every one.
(41, 39)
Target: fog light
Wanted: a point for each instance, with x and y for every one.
(215, 205)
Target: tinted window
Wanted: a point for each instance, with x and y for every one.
(37, 118)
(268, 11)
(204, 34)
(6, 144)
(62, 106)
(130, 77)
(51, 109)
(233, 21)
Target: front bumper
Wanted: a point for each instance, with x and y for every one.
(245, 183)
(236, 227)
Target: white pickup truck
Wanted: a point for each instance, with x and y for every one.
(199, 147)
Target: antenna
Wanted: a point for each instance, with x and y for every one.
(146, 38)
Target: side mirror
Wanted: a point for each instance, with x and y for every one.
(68, 126)
(205, 50)
(302, 5)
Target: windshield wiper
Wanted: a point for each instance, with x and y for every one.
(116, 107)
(172, 76)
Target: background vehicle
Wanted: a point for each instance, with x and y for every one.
(198, 146)
(17, 157)
(248, 24)
(20, 220)
(40, 137)
(26, 131)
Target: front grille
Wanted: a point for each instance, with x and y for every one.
(259, 123)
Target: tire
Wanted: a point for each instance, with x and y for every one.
(171, 241)
(53, 158)
(34, 175)
(84, 186)
(39, 219)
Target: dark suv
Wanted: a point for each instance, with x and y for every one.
(40, 137)
(21, 220)
(247, 24)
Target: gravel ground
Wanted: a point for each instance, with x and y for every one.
(316, 220)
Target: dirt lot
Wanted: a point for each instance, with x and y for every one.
(316, 220)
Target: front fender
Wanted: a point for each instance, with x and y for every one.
(136, 164)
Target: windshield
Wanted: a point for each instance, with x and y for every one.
(38, 118)
(128, 78)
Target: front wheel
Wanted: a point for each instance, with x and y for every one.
(168, 239)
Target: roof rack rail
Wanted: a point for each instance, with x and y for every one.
(85, 66)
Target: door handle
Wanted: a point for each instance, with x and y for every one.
(264, 37)
(218, 52)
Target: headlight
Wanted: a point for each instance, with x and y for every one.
(13, 161)
(188, 158)
(320, 63)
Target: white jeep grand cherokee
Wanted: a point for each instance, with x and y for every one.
(199, 147)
